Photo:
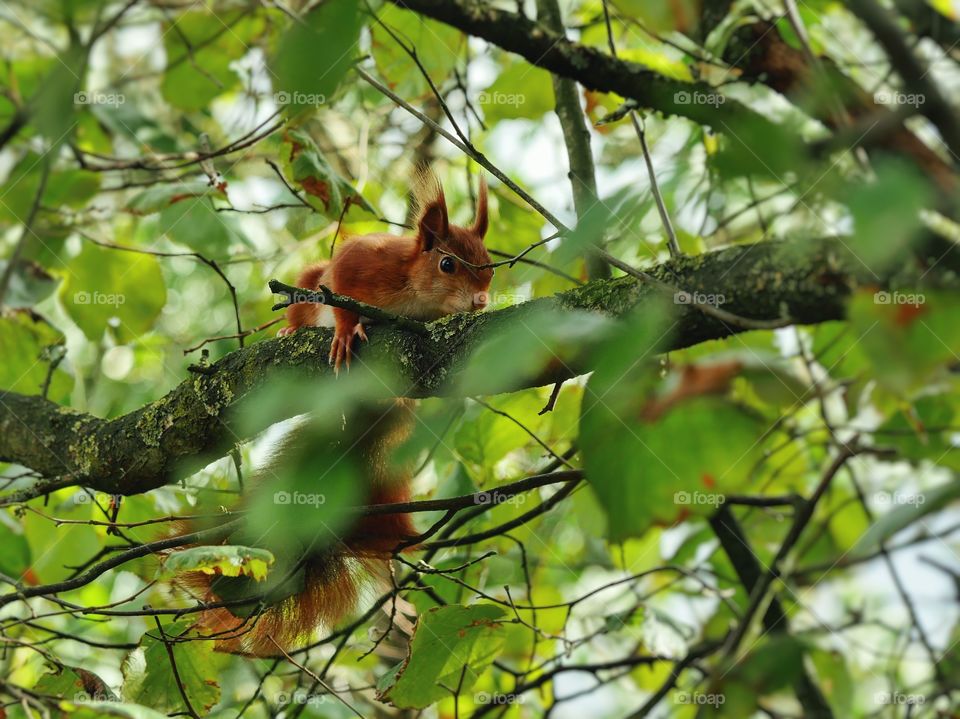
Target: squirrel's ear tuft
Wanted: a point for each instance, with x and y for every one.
(432, 220)
(480, 223)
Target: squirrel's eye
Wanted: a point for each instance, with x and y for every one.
(448, 265)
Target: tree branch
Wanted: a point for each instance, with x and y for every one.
(576, 137)
(197, 421)
(590, 67)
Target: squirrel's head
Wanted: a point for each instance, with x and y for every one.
(450, 274)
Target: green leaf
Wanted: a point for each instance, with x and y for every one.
(451, 647)
(98, 710)
(835, 679)
(149, 678)
(663, 17)
(923, 431)
(775, 664)
(54, 106)
(160, 197)
(315, 53)
(532, 343)
(75, 685)
(15, 558)
(226, 560)
(437, 46)
(908, 510)
(65, 188)
(247, 595)
(303, 507)
(106, 287)
(521, 90)
(652, 449)
(887, 208)
(26, 345)
(310, 169)
(193, 221)
(29, 284)
(194, 77)
(909, 338)
(485, 437)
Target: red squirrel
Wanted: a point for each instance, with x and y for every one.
(425, 276)
(440, 270)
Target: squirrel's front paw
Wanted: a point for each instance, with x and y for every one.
(340, 347)
(284, 331)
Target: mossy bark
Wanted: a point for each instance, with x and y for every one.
(197, 421)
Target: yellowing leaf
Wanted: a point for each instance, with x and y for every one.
(226, 560)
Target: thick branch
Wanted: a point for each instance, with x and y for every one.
(590, 67)
(914, 72)
(745, 564)
(927, 22)
(576, 137)
(196, 422)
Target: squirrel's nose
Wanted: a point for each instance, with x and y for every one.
(479, 300)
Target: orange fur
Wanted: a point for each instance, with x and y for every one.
(402, 275)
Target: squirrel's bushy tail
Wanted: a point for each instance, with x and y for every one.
(335, 579)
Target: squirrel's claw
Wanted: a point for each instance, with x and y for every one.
(340, 347)
(340, 352)
(284, 331)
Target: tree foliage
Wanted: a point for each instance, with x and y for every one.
(698, 458)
